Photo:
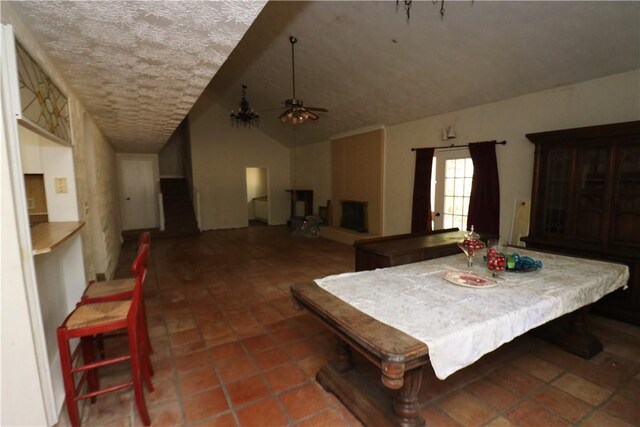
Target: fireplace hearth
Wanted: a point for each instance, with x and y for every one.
(354, 216)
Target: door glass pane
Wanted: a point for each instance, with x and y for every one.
(467, 187)
(448, 205)
(449, 188)
(457, 206)
(450, 168)
(458, 177)
(459, 186)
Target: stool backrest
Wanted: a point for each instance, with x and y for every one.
(144, 237)
(139, 265)
(139, 268)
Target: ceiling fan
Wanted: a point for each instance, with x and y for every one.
(295, 111)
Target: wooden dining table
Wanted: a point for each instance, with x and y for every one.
(390, 396)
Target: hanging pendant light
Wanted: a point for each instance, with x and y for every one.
(245, 116)
(408, 4)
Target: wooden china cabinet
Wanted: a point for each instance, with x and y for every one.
(586, 202)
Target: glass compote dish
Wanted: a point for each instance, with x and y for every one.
(470, 245)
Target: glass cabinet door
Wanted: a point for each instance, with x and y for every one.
(626, 210)
(593, 177)
(556, 187)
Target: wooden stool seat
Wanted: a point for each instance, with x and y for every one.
(99, 313)
(109, 288)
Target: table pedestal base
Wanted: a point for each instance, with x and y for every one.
(369, 402)
(571, 333)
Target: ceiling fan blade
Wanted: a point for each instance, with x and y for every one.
(312, 116)
(323, 110)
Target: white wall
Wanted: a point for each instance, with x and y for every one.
(313, 171)
(606, 100)
(220, 154)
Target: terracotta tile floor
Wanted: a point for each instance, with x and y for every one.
(231, 350)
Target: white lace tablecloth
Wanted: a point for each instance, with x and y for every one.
(460, 324)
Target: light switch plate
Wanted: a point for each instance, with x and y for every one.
(61, 185)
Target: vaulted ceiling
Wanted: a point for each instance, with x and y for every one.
(139, 66)
(368, 66)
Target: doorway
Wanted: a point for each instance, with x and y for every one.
(257, 196)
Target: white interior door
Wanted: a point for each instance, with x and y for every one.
(138, 193)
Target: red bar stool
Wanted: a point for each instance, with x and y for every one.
(90, 320)
(119, 289)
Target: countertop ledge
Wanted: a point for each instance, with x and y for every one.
(47, 235)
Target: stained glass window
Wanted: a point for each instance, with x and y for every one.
(43, 104)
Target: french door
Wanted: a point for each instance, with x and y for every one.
(451, 188)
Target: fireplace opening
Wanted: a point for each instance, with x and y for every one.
(354, 216)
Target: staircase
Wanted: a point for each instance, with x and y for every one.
(179, 219)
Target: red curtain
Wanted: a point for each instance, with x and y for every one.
(484, 203)
(421, 210)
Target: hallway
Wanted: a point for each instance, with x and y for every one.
(230, 349)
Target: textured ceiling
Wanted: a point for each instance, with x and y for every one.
(368, 66)
(138, 66)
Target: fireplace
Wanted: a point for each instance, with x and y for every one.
(354, 216)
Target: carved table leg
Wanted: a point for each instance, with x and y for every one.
(406, 405)
(343, 357)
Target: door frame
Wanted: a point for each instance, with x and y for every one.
(153, 159)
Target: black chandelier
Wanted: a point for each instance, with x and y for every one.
(407, 7)
(245, 116)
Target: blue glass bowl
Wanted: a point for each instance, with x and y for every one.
(520, 264)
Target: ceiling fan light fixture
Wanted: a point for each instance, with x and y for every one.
(245, 116)
(295, 112)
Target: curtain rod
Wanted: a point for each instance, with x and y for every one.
(461, 146)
